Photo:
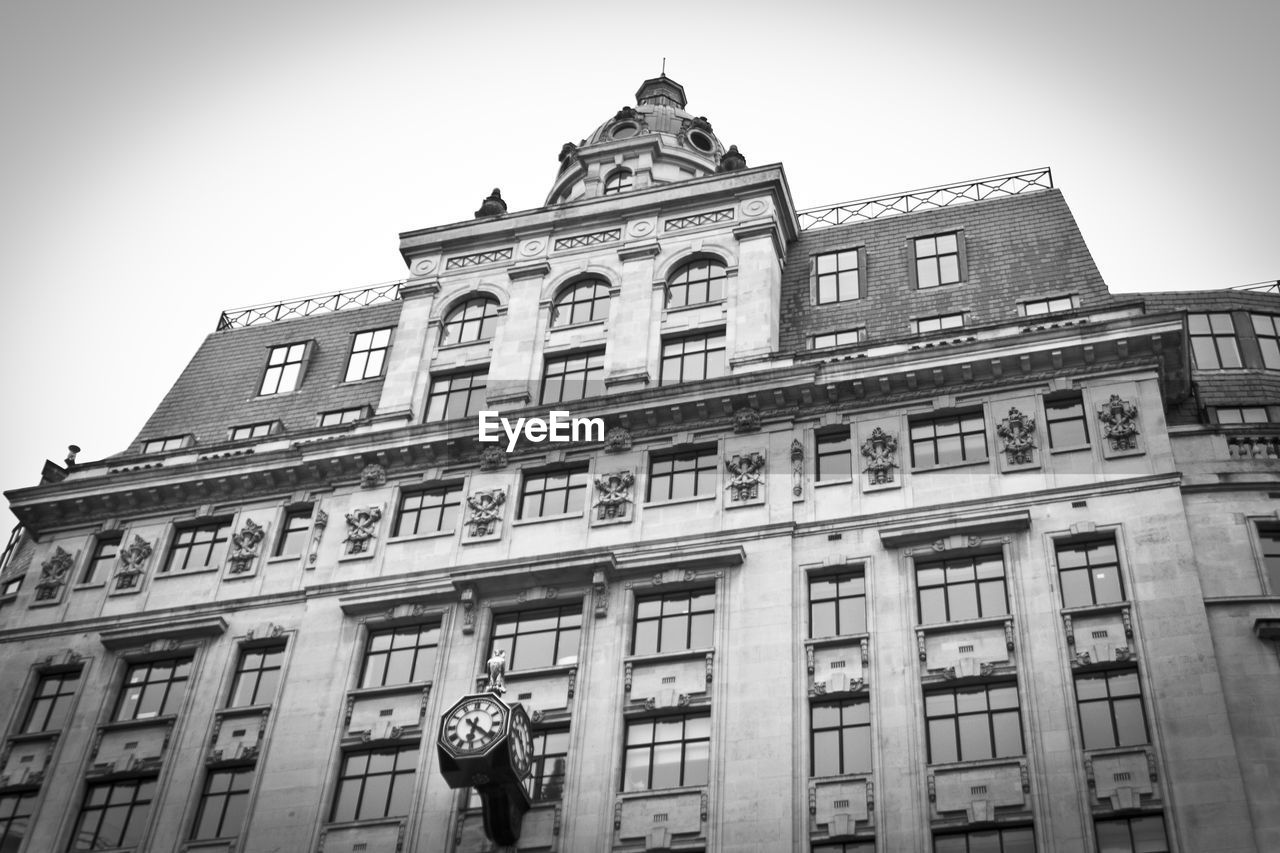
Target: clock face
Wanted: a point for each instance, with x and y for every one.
(521, 743)
(474, 724)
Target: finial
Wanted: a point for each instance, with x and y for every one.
(732, 160)
(72, 450)
(492, 206)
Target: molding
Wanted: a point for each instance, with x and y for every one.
(980, 523)
(176, 629)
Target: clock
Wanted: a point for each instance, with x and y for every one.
(486, 744)
(474, 724)
(520, 744)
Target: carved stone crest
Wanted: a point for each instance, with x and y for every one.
(133, 560)
(373, 476)
(797, 467)
(492, 458)
(746, 420)
(244, 547)
(362, 527)
(880, 450)
(1018, 432)
(486, 509)
(1119, 423)
(746, 473)
(613, 494)
(617, 440)
(53, 575)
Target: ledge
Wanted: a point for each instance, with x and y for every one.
(900, 535)
(176, 629)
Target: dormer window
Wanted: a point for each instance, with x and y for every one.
(697, 283)
(620, 180)
(471, 320)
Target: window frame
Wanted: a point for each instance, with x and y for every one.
(1088, 568)
(257, 674)
(1240, 411)
(914, 258)
(444, 491)
(686, 356)
(398, 773)
(618, 181)
(1111, 701)
(383, 351)
(688, 617)
(166, 444)
(1000, 839)
(814, 340)
(98, 556)
(1214, 337)
(854, 731)
(287, 360)
(427, 635)
(168, 701)
(220, 527)
(540, 780)
(54, 708)
(482, 374)
(261, 429)
(246, 774)
(456, 319)
(961, 418)
(818, 277)
(838, 435)
(1060, 403)
(1024, 308)
(18, 817)
(1128, 821)
(292, 515)
(568, 296)
(706, 469)
(137, 812)
(943, 326)
(950, 589)
(717, 278)
(591, 383)
(958, 732)
(1268, 530)
(566, 635)
(1269, 339)
(838, 578)
(649, 747)
(576, 480)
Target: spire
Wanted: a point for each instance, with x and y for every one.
(661, 91)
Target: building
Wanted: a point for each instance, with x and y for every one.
(898, 532)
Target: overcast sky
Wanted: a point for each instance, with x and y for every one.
(161, 161)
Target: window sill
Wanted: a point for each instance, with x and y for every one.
(658, 657)
(683, 308)
(953, 465)
(34, 737)
(389, 689)
(418, 537)
(678, 501)
(89, 585)
(1075, 448)
(1116, 750)
(662, 792)
(463, 345)
(546, 519)
(518, 675)
(837, 640)
(588, 324)
(211, 570)
(822, 484)
(859, 776)
(346, 383)
(1104, 607)
(125, 725)
(979, 622)
(243, 710)
(283, 558)
(979, 762)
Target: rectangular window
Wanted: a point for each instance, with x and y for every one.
(1089, 572)
(551, 493)
(937, 260)
(153, 689)
(198, 547)
(1051, 305)
(573, 377)
(1242, 414)
(375, 783)
(690, 359)
(1014, 839)
(223, 803)
(674, 622)
(51, 705)
(667, 752)
(837, 339)
(1110, 705)
(293, 535)
(15, 818)
(1213, 341)
(533, 639)
(241, 433)
(973, 723)
(368, 355)
(114, 814)
(404, 655)
(433, 510)
(1132, 835)
(948, 440)
(162, 445)
(105, 549)
(458, 395)
(338, 417)
(1267, 329)
(1269, 539)
(683, 474)
(550, 753)
(840, 737)
(941, 322)
(837, 605)
(956, 588)
(846, 847)
(835, 276)
(284, 369)
(257, 676)
(1067, 422)
(11, 587)
(834, 456)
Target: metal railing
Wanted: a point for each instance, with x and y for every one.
(324, 303)
(862, 210)
(1259, 287)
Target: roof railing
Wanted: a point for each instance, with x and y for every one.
(324, 303)
(1259, 286)
(879, 207)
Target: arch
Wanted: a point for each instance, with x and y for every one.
(470, 319)
(698, 280)
(619, 180)
(582, 300)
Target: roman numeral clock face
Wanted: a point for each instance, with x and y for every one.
(474, 725)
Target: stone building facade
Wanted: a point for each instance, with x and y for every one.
(900, 533)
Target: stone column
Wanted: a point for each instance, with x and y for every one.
(630, 321)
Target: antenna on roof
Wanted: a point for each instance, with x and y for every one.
(664, 66)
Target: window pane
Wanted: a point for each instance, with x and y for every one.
(942, 744)
(1095, 725)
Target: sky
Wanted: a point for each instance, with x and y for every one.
(161, 162)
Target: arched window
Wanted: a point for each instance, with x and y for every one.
(695, 283)
(470, 320)
(586, 301)
(618, 181)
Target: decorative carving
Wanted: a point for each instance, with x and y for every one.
(244, 546)
(617, 440)
(702, 815)
(1018, 432)
(600, 593)
(536, 716)
(1128, 623)
(732, 160)
(879, 450)
(492, 459)
(933, 789)
(53, 575)
(361, 528)
(746, 472)
(920, 647)
(497, 668)
(1119, 423)
(626, 677)
(1071, 631)
(133, 561)
(1008, 635)
(486, 509)
(797, 467)
(317, 530)
(373, 476)
(492, 206)
(270, 631)
(1026, 778)
(711, 657)
(746, 420)
(813, 800)
(617, 815)
(808, 659)
(613, 494)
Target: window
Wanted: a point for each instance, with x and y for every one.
(471, 320)
(674, 622)
(375, 783)
(223, 803)
(925, 325)
(404, 655)
(619, 180)
(573, 377)
(114, 814)
(198, 547)
(837, 605)
(1213, 341)
(1242, 414)
(368, 355)
(538, 638)
(15, 816)
(1017, 839)
(550, 752)
(1051, 305)
(257, 676)
(241, 433)
(840, 737)
(845, 847)
(284, 369)
(973, 723)
(458, 395)
(683, 474)
(11, 587)
(153, 689)
(161, 445)
(293, 537)
(1267, 328)
(51, 705)
(105, 549)
(1110, 705)
(957, 588)
(668, 752)
(433, 510)
(834, 457)
(937, 260)
(948, 440)
(835, 277)
(692, 358)
(338, 417)
(1132, 835)
(550, 493)
(1269, 539)
(697, 283)
(1066, 420)
(586, 301)
(837, 339)
(1089, 572)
